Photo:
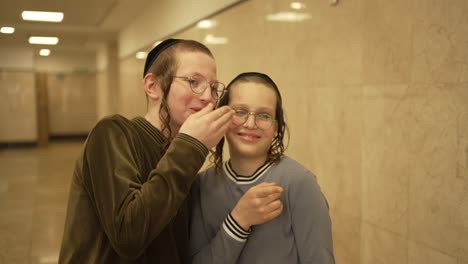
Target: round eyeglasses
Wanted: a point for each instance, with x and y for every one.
(262, 120)
(198, 85)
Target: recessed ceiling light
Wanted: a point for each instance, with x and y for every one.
(141, 55)
(43, 40)
(206, 23)
(297, 5)
(288, 17)
(42, 16)
(211, 39)
(44, 52)
(7, 30)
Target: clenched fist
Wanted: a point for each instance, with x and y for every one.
(258, 205)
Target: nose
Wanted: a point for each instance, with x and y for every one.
(206, 95)
(250, 122)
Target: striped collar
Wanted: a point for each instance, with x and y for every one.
(240, 179)
(150, 129)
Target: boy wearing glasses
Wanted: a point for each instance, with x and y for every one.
(128, 200)
(234, 223)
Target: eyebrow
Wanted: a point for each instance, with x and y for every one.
(199, 74)
(260, 109)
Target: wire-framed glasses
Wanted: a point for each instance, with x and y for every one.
(262, 120)
(198, 85)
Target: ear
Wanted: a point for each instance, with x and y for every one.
(152, 87)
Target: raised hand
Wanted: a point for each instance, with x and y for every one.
(258, 205)
(208, 125)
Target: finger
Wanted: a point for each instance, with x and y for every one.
(263, 184)
(205, 110)
(218, 113)
(254, 189)
(274, 213)
(275, 205)
(271, 198)
(220, 131)
(223, 121)
(268, 190)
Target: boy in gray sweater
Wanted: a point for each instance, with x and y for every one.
(232, 220)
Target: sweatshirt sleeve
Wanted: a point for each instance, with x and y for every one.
(224, 247)
(132, 211)
(310, 220)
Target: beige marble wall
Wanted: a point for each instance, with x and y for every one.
(72, 103)
(132, 99)
(107, 93)
(376, 95)
(17, 106)
(107, 81)
(103, 94)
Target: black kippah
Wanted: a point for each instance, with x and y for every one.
(258, 74)
(154, 53)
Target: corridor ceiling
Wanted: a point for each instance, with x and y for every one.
(86, 23)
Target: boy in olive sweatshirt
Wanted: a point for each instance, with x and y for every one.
(128, 200)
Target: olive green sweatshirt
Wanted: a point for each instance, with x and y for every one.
(128, 201)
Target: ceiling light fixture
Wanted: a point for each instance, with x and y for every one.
(297, 5)
(42, 16)
(211, 39)
(44, 52)
(206, 23)
(141, 55)
(43, 40)
(7, 30)
(288, 17)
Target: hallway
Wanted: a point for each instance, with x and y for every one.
(33, 197)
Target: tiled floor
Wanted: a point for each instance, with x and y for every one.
(34, 186)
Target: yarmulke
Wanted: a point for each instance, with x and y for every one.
(154, 53)
(258, 74)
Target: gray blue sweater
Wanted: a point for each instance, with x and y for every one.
(301, 234)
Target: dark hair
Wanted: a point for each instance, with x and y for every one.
(164, 67)
(277, 147)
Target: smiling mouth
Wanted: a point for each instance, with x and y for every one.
(248, 137)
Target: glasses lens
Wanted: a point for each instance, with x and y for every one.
(263, 124)
(263, 121)
(197, 83)
(240, 116)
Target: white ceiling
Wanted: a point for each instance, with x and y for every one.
(85, 24)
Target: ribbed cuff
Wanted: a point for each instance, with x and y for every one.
(234, 230)
(194, 141)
